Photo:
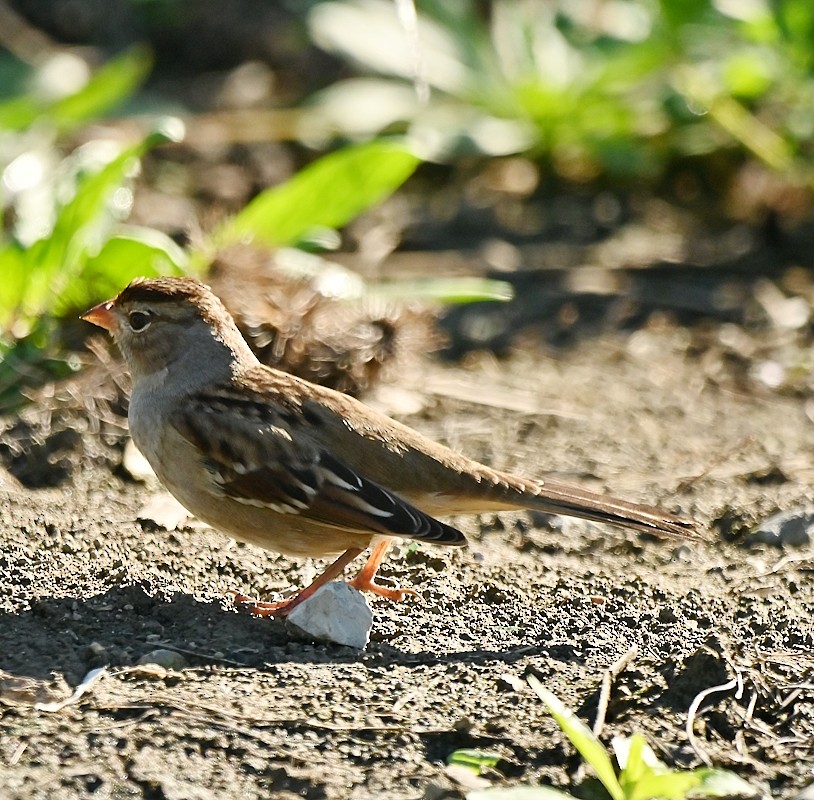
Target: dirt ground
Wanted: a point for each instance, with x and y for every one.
(255, 712)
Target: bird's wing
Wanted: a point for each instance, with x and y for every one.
(263, 453)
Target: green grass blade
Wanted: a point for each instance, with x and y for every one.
(337, 281)
(669, 785)
(583, 739)
(474, 760)
(330, 192)
(635, 759)
(451, 291)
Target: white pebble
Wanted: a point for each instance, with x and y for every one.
(336, 613)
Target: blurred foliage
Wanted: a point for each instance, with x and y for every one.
(617, 88)
(61, 94)
(620, 88)
(62, 212)
(329, 193)
(65, 243)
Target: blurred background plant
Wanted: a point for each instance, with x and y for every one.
(141, 138)
(589, 89)
(63, 239)
(66, 243)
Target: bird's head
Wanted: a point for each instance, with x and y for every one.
(163, 323)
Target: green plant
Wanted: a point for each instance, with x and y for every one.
(636, 775)
(326, 195)
(66, 243)
(88, 253)
(64, 213)
(69, 266)
(66, 209)
(41, 104)
(618, 92)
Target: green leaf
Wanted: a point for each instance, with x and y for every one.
(583, 739)
(52, 264)
(670, 785)
(12, 283)
(722, 783)
(475, 760)
(329, 193)
(643, 776)
(748, 74)
(632, 760)
(108, 87)
(17, 113)
(134, 252)
(77, 227)
(453, 290)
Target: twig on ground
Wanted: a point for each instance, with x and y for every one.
(17, 754)
(611, 674)
(696, 704)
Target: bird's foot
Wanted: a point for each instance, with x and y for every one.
(260, 608)
(367, 585)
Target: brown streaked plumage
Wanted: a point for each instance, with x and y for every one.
(294, 467)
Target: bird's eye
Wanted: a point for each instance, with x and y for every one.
(138, 320)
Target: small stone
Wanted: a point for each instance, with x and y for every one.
(96, 655)
(336, 613)
(164, 511)
(510, 683)
(465, 778)
(168, 659)
(793, 528)
(135, 464)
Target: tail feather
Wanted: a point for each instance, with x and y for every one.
(572, 501)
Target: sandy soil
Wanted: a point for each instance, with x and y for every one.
(254, 712)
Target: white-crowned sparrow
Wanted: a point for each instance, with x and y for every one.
(294, 467)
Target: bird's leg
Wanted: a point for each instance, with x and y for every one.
(365, 582)
(285, 607)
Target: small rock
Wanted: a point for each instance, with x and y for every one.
(164, 511)
(335, 613)
(96, 655)
(168, 659)
(465, 778)
(793, 528)
(683, 553)
(135, 464)
(511, 683)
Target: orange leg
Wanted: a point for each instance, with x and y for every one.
(365, 582)
(283, 608)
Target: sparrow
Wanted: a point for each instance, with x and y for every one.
(294, 467)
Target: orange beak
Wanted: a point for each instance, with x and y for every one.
(103, 316)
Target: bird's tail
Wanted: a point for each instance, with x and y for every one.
(558, 498)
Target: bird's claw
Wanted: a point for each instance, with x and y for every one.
(259, 608)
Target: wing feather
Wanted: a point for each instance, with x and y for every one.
(263, 455)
